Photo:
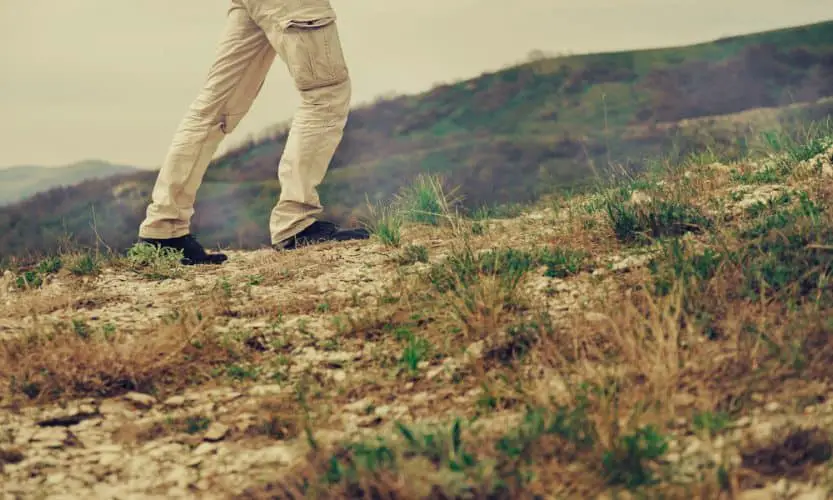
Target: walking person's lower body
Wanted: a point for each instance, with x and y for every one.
(306, 39)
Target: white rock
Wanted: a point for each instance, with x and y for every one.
(265, 390)
(216, 432)
(140, 400)
(175, 401)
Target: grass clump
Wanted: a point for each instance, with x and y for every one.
(412, 254)
(464, 268)
(635, 223)
(425, 201)
(625, 464)
(385, 224)
(155, 262)
(84, 264)
(74, 360)
(790, 147)
(34, 278)
(456, 460)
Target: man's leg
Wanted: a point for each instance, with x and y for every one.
(243, 59)
(308, 43)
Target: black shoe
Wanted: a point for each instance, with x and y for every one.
(193, 252)
(320, 232)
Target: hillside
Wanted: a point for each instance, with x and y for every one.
(668, 336)
(504, 137)
(20, 182)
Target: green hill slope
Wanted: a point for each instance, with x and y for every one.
(505, 136)
(20, 182)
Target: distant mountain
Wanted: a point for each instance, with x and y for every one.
(20, 182)
(502, 137)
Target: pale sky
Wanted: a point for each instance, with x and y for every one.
(108, 79)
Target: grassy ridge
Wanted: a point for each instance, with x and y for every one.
(666, 335)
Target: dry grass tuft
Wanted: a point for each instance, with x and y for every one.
(68, 361)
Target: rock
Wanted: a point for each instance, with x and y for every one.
(51, 437)
(24, 435)
(275, 454)
(175, 401)
(383, 411)
(772, 406)
(692, 448)
(56, 478)
(205, 449)
(811, 494)
(595, 317)
(683, 399)
(108, 459)
(265, 390)
(179, 475)
(474, 351)
(781, 487)
(87, 408)
(742, 422)
(359, 406)
(67, 417)
(113, 407)
(216, 432)
(758, 494)
(140, 400)
(761, 432)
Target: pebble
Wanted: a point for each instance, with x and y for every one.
(140, 400)
(216, 432)
(175, 402)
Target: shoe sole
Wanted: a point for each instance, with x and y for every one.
(295, 245)
(215, 261)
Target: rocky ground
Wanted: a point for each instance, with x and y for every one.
(313, 349)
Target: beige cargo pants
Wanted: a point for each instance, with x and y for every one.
(304, 34)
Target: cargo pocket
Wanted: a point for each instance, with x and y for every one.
(313, 53)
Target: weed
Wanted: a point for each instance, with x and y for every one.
(49, 265)
(155, 262)
(561, 262)
(240, 372)
(412, 254)
(29, 279)
(425, 200)
(625, 464)
(196, 424)
(710, 422)
(655, 219)
(414, 353)
(385, 224)
(84, 265)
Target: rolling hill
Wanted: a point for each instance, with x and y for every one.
(505, 136)
(20, 182)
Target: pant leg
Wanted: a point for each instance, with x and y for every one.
(234, 80)
(307, 41)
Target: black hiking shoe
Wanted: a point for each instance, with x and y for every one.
(193, 252)
(320, 232)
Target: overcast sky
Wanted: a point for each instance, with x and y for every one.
(111, 79)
